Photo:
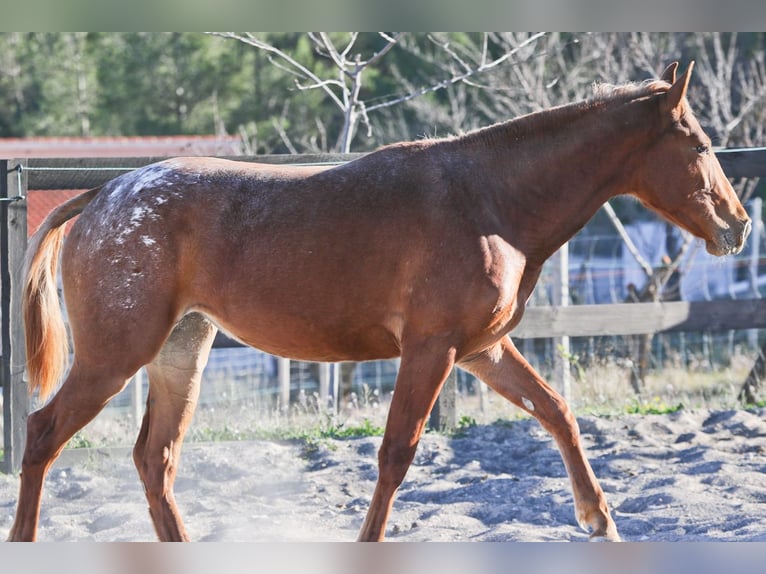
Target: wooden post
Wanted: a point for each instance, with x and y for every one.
(13, 244)
(444, 414)
(561, 351)
(335, 387)
(329, 384)
(756, 214)
(137, 398)
(483, 397)
(324, 385)
(283, 374)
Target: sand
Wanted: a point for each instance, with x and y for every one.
(687, 476)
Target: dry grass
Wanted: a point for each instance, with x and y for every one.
(600, 389)
(605, 389)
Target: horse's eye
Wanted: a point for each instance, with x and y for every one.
(702, 148)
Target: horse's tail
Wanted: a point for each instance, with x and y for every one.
(45, 333)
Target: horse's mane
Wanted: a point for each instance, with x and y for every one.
(604, 95)
(604, 92)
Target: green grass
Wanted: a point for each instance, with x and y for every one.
(313, 438)
(324, 430)
(366, 429)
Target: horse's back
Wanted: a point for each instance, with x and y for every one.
(279, 256)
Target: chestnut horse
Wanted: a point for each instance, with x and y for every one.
(425, 250)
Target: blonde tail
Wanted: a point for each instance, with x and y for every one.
(47, 346)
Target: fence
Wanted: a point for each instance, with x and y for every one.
(18, 176)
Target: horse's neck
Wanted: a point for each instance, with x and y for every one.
(558, 170)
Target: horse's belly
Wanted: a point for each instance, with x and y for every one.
(305, 339)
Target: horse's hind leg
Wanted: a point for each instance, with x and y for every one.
(83, 395)
(174, 379)
(505, 370)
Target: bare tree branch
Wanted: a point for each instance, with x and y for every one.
(458, 78)
(252, 40)
(643, 263)
(392, 41)
(346, 89)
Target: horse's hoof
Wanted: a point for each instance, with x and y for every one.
(609, 534)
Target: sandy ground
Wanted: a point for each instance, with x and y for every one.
(687, 476)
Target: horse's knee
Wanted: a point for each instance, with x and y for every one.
(393, 461)
(559, 420)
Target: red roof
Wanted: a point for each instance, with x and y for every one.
(120, 146)
(40, 202)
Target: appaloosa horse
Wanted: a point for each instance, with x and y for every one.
(425, 250)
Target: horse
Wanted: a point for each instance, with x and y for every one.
(425, 250)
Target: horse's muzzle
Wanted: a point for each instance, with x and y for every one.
(731, 241)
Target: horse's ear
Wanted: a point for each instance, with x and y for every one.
(669, 75)
(677, 91)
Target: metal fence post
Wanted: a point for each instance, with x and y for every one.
(13, 243)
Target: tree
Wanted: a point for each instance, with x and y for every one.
(343, 82)
(161, 83)
(13, 83)
(47, 82)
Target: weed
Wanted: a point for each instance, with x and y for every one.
(464, 424)
(315, 439)
(208, 434)
(366, 429)
(79, 440)
(310, 447)
(574, 362)
(654, 407)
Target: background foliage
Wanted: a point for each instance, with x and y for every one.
(92, 84)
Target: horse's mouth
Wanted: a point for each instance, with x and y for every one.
(729, 241)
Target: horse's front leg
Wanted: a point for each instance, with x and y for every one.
(506, 371)
(422, 372)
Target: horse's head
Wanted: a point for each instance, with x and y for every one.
(682, 180)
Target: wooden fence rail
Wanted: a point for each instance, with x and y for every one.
(17, 176)
(642, 318)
